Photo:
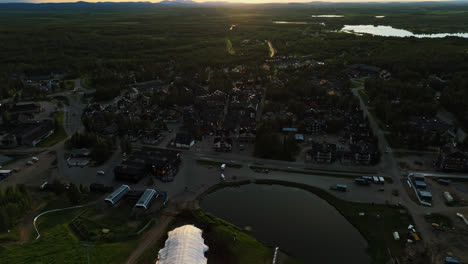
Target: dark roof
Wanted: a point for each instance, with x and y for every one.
(29, 132)
(184, 138)
(24, 108)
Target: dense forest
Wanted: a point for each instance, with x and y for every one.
(14, 202)
(114, 44)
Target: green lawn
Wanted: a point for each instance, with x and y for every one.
(58, 244)
(245, 248)
(59, 133)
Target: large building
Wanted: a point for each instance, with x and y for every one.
(162, 163)
(31, 133)
(184, 245)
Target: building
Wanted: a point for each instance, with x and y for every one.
(322, 152)
(4, 174)
(80, 153)
(184, 245)
(131, 171)
(222, 144)
(452, 159)
(146, 198)
(115, 196)
(184, 140)
(161, 163)
(24, 109)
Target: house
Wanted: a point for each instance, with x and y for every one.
(31, 133)
(184, 140)
(161, 163)
(247, 135)
(299, 137)
(322, 152)
(222, 144)
(29, 109)
(452, 159)
(314, 126)
(80, 153)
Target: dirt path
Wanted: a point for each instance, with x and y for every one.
(151, 237)
(272, 49)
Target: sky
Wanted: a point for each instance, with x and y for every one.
(231, 1)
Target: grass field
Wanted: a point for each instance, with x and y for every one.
(58, 244)
(59, 132)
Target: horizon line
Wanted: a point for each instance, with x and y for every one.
(38, 2)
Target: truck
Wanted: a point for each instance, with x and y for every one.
(381, 180)
(361, 181)
(339, 187)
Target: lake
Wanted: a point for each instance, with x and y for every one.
(299, 222)
(388, 31)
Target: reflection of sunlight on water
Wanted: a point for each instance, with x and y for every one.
(327, 16)
(388, 31)
(297, 22)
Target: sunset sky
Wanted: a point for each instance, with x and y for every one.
(231, 1)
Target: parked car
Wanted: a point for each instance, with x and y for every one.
(100, 173)
(35, 159)
(29, 163)
(222, 177)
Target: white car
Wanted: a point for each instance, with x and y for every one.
(35, 159)
(100, 173)
(222, 177)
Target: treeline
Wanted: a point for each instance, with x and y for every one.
(74, 193)
(272, 144)
(394, 102)
(455, 97)
(101, 147)
(14, 202)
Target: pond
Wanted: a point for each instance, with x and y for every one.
(299, 222)
(388, 31)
